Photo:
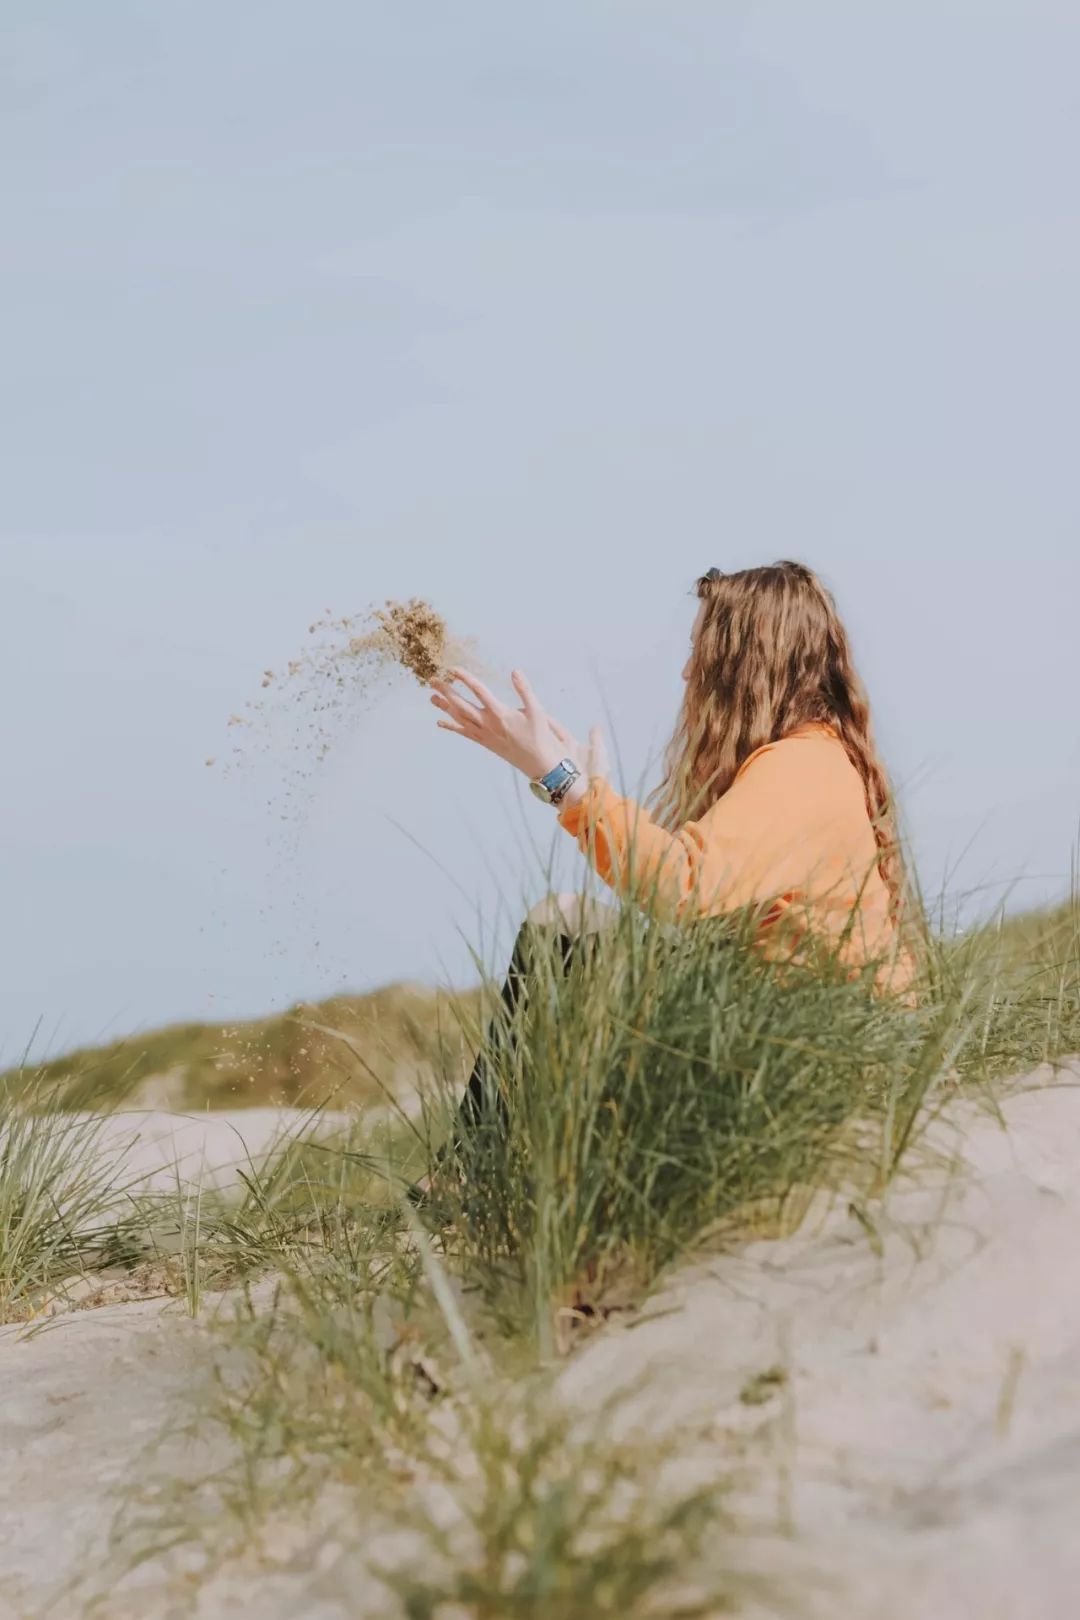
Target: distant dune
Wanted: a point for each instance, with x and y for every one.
(347, 1049)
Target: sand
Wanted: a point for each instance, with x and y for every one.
(347, 664)
(411, 634)
(925, 1446)
(151, 1148)
(306, 710)
(912, 1451)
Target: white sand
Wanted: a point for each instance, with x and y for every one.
(917, 1485)
(151, 1148)
(926, 1448)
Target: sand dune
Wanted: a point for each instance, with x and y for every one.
(926, 1443)
(916, 1456)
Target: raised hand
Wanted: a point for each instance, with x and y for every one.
(527, 738)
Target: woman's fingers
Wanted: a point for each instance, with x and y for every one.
(486, 697)
(447, 693)
(467, 714)
(526, 738)
(529, 702)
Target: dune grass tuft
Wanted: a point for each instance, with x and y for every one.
(668, 1080)
(1026, 976)
(59, 1195)
(444, 1478)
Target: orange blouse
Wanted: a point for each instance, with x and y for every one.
(792, 836)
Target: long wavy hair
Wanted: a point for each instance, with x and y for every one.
(771, 655)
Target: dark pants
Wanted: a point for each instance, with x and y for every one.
(482, 1094)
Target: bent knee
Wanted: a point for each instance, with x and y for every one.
(572, 913)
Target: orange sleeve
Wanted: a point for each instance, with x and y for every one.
(627, 848)
(733, 856)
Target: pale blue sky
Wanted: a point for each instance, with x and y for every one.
(537, 312)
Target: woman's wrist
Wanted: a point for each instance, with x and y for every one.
(553, 783)
(574, 793)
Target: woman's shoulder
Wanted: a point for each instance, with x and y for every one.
(810, 760)
(809, 747)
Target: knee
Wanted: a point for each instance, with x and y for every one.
(573, 914)
(548, 912)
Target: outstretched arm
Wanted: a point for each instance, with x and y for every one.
(708, 863)
(638, 858)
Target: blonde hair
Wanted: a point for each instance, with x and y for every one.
(772, 655)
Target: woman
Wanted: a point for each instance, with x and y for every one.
(773, 799)
(773, 796)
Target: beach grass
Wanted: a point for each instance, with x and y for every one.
(447, 1475)
(667, 1083)
(1025, 971)
(60, 1193)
